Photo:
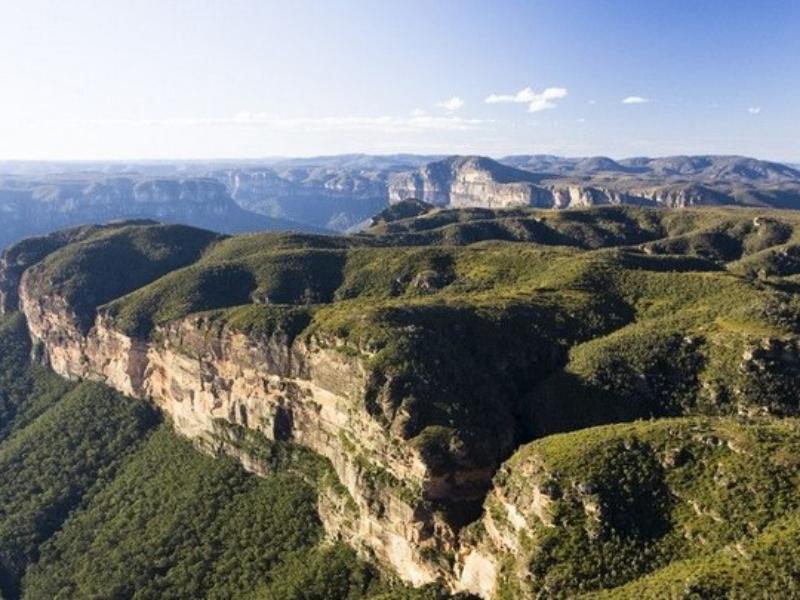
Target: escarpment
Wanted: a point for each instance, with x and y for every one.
(422, 358)
(211, 382)
(464, 182)
(480, 182)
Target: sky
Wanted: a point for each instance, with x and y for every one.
(187, 79)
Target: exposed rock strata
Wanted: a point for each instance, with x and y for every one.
(474, 181)
(461, 182)
(305, 391)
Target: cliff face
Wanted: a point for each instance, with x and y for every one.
(547, 182)
(467, 181)
(463, 182)
(306, 392)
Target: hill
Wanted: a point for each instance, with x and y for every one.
(422, 357)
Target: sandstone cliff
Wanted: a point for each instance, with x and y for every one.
(307, 392)
(466, 181)
(473, 181)
(553, 182)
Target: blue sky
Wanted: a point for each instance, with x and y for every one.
(116, 79)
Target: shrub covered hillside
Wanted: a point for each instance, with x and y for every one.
(473, 319)
(631, 375)
(672, 508)
(99, 500)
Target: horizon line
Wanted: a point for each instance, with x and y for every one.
(274, 158)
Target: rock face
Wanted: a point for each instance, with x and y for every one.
(555, 182)
(474, 181)
(468, 181)
(308, 392)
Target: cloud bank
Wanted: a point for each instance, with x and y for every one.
(535, 101)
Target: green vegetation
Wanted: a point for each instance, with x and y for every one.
(26, 390)
(114, 261)
(52, 466)
(763, 566)
(406, 209)
(186, 525)
(628, 500)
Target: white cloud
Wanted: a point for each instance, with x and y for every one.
(635, 100)
(754, 110)
(535, 102)
(592, 101)
(417, 112)
(451, 104)
(417, 122)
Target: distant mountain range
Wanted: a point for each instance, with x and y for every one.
(38, 206)
(342, 193)
(551, 181)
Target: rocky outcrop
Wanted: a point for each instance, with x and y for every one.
(553, 182)
(462, 182)
(211, 380)
(468, 181)
(513, 511)
(577, 196)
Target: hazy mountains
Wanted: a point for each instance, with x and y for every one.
(38, 206)
(342, 193)
(551, 181)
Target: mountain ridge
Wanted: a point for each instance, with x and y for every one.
(342, 193)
